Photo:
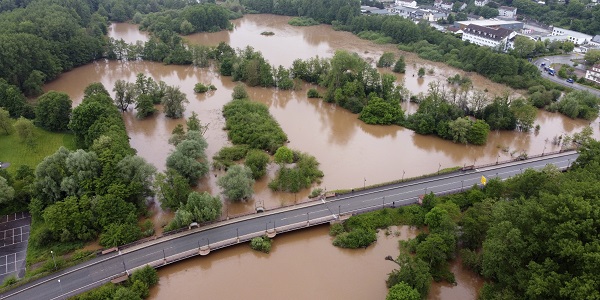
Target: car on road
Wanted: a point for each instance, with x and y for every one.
(570, 80)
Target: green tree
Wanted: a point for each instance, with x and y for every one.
(33, 85)
(5, 122)
(239, 92)
(386, 60)
(257, 161)
(189, 157)
(478, 133)
(379, 111)
(147, 275)
(459, 129)
(193, 123)
(413, 271)
(125, 94)
(25, 131)
(70, 219)
(203, 206)
(120, 234)
(284, 155)
(173, 101)
(95, 89)
(12, 100)
(7, 192)
(400, 65)
(523, 46)
(53, 111)
(172, 189)
(403, 291)
(592, 56)
(524, 113)
(421, 72)
(144, 105)
(237, 183)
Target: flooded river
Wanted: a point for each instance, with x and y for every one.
(303, 265)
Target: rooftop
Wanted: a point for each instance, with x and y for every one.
(488, 33)
(486, 23)
(507, 8)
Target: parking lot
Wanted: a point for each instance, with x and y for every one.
(14, 233)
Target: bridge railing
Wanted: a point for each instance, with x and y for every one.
(309, 200)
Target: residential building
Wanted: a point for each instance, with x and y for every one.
(441, 4)
(406, 3)
(405, 12)
(481, 2)
(595, 41)
(507, 12)
(486, 36)
(577, 38)
(593, 74)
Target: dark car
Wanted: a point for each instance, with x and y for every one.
(570, 80)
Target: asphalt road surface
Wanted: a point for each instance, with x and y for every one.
(562, 59)
(102, 269)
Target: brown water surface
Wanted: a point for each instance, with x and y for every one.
(301, 265)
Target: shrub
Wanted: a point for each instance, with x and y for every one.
(260, 131)
(262, 244)
(313, 93)
(315, 193)
(303, 21)
(336, 229)
(200, 88)
(257, 161)
(357, 238)
(147, 275)
(9, 280)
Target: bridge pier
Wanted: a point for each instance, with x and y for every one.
(204, 250)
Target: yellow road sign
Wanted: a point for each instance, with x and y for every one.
(483, 180)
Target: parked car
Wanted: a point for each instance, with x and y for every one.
(570, 80)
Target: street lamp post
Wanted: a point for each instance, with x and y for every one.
(497, 158)
(383, 202)
(237, 233)
(52, 252)
(339, 210)
(364, 183)
(61, 290)
(462, 185)
(440, 166)
(403, 174)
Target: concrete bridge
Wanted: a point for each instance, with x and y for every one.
(203, 240)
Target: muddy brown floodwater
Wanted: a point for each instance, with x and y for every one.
(351, 153)
(302, 265)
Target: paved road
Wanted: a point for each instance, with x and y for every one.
(173, 248)
(563, 59)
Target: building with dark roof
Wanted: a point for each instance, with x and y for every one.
(489, 37)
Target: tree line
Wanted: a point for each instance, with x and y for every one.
(98, 190)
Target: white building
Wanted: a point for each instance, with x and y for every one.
(577, 38)
(593, 74)
(441, 4)
(407, 3)
(481, 2)
(595, 41)
(489, 37)
(507, 12)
